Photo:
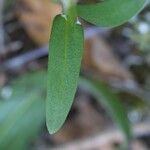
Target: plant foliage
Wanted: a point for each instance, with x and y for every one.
(64, 67)
(22, 114)
(66, 46)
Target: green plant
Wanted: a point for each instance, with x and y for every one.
(22, 111)
(66, 46)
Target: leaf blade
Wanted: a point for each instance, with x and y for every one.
(63, 71)
(110, 13)
(22, 114)
(110, 102)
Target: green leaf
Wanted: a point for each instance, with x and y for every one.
(111, 103)
(22, 115)
(110, 13)
(31, 82)
(20, 121)
(66, 46)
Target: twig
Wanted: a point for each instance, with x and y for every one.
(19, 61)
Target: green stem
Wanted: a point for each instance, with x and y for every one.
(69, 10)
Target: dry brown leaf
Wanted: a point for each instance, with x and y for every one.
(98, 56)
(37, 17)
(86, 121)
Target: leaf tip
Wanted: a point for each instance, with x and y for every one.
(51, 129)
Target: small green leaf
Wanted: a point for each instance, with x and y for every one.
(111, 103)
(66, 46)
(110, 13)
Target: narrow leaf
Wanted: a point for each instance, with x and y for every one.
(111, 103)
(110, 13)
(66, 46)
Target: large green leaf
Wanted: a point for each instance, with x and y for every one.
(66, 46)
(109, 13)
(111, 103)
(22, 114)
(20, 121)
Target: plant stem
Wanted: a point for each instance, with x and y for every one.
(67, 4)
(69, 10)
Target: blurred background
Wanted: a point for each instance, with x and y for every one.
(119, 58)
